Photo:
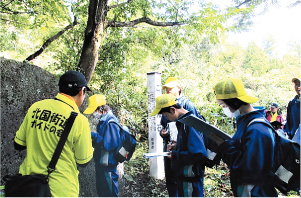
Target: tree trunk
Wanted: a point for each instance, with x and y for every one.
(93, 37)
(94, 33)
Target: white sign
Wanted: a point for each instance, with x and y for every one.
(154, 126)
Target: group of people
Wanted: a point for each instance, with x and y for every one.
(289, 126)
(248, 154)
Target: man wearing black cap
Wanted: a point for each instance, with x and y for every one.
(41, 130)
(274, 114)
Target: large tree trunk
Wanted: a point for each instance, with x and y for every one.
(94, 34)
(93, 37)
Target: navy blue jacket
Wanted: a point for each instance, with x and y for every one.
(107, 137)
(190, 153)
(293, 117)
(249, 155)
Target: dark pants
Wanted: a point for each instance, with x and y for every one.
(106, 181)
(170, 177)
(190, 189)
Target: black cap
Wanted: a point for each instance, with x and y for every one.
(274, 105)
(73, 79)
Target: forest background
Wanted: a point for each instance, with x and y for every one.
(185, 39)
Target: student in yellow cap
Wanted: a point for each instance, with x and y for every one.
(293, 111)
(105, 141)
(41, 130)
(249, 154)
(172, 86)
(189, 154)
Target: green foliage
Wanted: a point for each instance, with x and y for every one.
(213, 113)
(67, 49)
(41, 20)
(256, 61)
(196, 53)
(138, 182)
(30, 24)
(138, 163)
(7, 36)
(217, 181)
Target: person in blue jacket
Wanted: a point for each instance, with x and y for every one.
(293, 111)
(249, 154)
(172, 86)
(105, 142)
(188, 154)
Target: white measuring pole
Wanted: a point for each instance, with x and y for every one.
(155, 140)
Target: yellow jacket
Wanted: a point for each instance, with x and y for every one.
(40, 132)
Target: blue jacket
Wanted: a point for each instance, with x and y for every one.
(189, 154)
(186, 104)
(249, 155)
(107, 138)
(293, 117)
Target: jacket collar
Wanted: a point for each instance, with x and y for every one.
(69, 100)
(105, 116)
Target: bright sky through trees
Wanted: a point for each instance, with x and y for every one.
(281, 22)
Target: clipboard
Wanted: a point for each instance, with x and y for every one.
(150, 155)
(207, 129)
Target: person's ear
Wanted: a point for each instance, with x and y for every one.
(83, 91)
(172, 110)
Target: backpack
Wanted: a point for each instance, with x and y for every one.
(128, 144)
(285, 175)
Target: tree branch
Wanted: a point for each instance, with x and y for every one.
(142, 20)
(118, 5)
(243, 3)
(50, 40)
(15, 12)
(8, 3)
(294, 4)
(12, 21)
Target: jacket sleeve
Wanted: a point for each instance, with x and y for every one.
(195, 152)
(83, 150)
(163, 122)
(190, 107)
(112, 137)
(212, 157)
(250, 158)
(96, 138)
(288, 125)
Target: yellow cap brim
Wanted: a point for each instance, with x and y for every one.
(171, 85)
(94, 102)
(155, 112)
(90, 110)
(163, 101)
(248, 99)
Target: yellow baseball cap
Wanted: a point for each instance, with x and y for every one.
(94, 102)
(171, 82)
(233, 88)
(165, 100)
(296, 78)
